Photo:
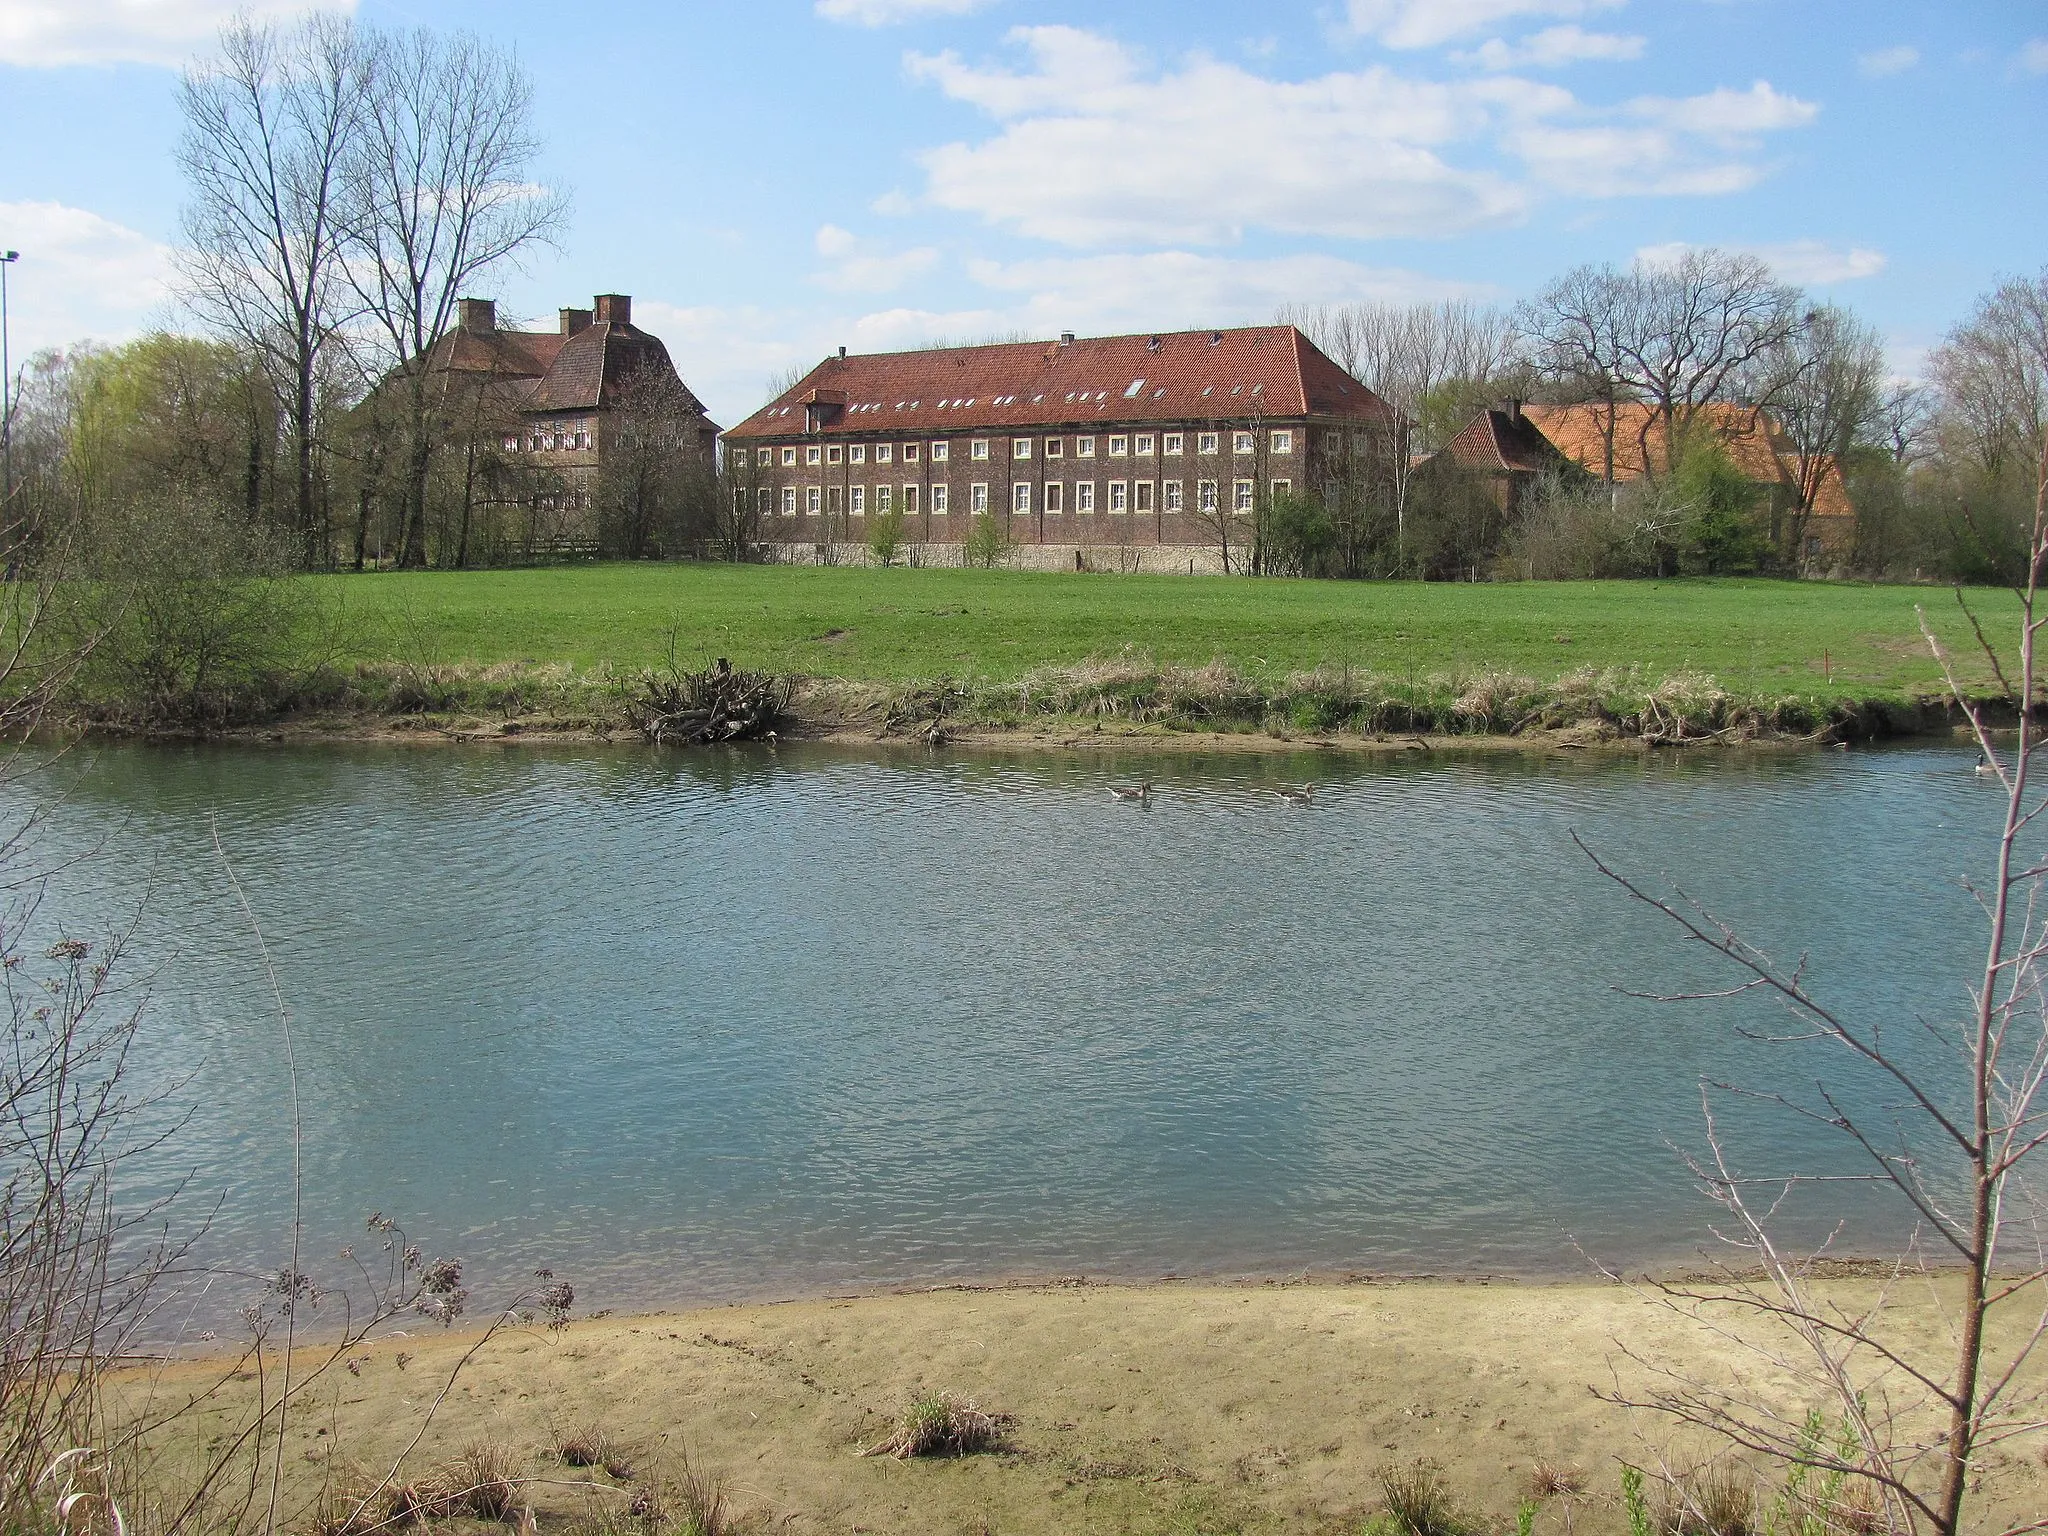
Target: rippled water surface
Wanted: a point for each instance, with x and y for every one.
(741, 1024)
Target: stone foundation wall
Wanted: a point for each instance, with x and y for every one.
(1165, 559)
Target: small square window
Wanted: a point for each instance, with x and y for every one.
(1020, 496)
(1173, 443)
(857, 454)
(1174, 491)
(1206, 443)
(1084, 447)
(1055, 501)
(1020, 447)
(938, 456)
(978, 449)
(814, 454)
(788, 457)
(1242, 442)
(1084, 496)
(1119, 497)
(910, 453)
(1360, 442)
(1282, 487)
(832, 454)
(1142, 446)
(762, 455)
(1241, 502)
(1055, 447)
(1143, 492)
(1205, 496)
(977, 496)
(938, 501)
(1119, 447)
(1283, 442)
(885, 453)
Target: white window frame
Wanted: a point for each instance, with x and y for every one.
(1283, 487)
(789, 458)
(977, 498)
(977, 450)
(1174, 443)
(1055, 448)
(910, 500)
(856, 501)
(885, 453)
(1175, 498)
(814, 500)
(885, 499)
(1142, 445)
(739, 457)
(1244, 497)
(1207, 442)
(857, 453)
(1281, 440)
(1020, 447)
(1084, 498)
(1243, 442)
(1119, 497)
(789, 501)
(764, 456)
(1205, 496)
(813, 454)
(1020, 497)
(1055, 498)
(939, 500)
(910, 453)
(1084, 447)
(1143, 499)
(940, 453)
(1119, 447)
(764, 500)
(832, 454)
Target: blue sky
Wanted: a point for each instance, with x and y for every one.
(773, 178)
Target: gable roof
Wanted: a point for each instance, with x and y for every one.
(1260, 371)
(1504, 441)
(1751, 439)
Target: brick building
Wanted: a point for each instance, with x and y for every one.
(1142, 451)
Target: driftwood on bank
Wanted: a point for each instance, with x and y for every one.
(718, 704)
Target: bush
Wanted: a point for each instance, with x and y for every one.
(1721, 536)
(989, 542)
(1578, 529)
(1301, 537)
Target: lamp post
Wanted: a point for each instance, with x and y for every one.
(7, 259)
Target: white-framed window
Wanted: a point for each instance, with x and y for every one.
(857, 501)
(1084, 495)
(813, 454)
(910, 453)
(857, 453)
(1141, 495)
(1119, 497)
(764, 500)
(1020, 496)
(1084, 447)
(1055, 498)
(739, 455)
(910, 499)
(1244, 494)
(1281, 441)
(885, 498)
(763, 455)
(1173, 443)
(835, 500)
(1205, 442)
(978, 449)
(813, 500)
(1020, 447)
(1360, 442)
(1055, 447)
(939, 453)
(789, 501)
(832, 454)
(1283, 487)
(977, 497)
(1119, 447)
(938, 501)
(512, 446)
(1174, 491)
(885, 453)
(1243, 442)
(1205, 496)
(1141, 445)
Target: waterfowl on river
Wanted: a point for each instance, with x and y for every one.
(1985, 767)
(1141, 795)
(1306, 795)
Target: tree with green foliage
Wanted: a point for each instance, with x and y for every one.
(1720, 534)
(885, 535)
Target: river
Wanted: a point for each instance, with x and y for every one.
(746, 1023)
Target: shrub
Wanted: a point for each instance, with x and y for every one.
(885, 536)
(989, 542)
(940, 1424)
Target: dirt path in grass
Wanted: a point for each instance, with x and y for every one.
(1161, 1408)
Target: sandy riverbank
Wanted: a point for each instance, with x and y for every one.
(1161, 1408)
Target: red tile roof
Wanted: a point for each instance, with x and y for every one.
(1496, 440)
(1750, 437)
(1267, 371)
(547, 371)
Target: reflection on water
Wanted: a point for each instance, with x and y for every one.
(738, 1023)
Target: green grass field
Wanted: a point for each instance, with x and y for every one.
(1757, 638)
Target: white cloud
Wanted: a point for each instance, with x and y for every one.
(46, 33)
(882, 13)
(1809, 263)
(1884, 62)
(2034, 56)
(857, 267)
(1096, 148)
(1428, 23)
(1554, 46)
(80, 276)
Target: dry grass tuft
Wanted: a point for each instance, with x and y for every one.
(940, 1424)
(1548, 1482)
(1419, 1503)
(485, 1480)
(587, 1447)
(1717, 1501)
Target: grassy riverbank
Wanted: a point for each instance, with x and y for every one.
(1156, 1409)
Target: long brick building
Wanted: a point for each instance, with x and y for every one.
(1145, 451)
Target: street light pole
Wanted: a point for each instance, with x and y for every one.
(7, 259)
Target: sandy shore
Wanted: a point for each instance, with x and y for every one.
(1159, 1408)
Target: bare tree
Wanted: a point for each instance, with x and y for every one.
(269, 128)
(440, 195)
(1825, 388)
(1913, 1426)
(1993, 375)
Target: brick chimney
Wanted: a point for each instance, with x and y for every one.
(574, 320)
(614, 309)
(478, 316)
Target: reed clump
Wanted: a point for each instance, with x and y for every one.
(941, 1424)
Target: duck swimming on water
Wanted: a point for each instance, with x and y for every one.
(1306, 795)
(1140, 795)
(1985, 767)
